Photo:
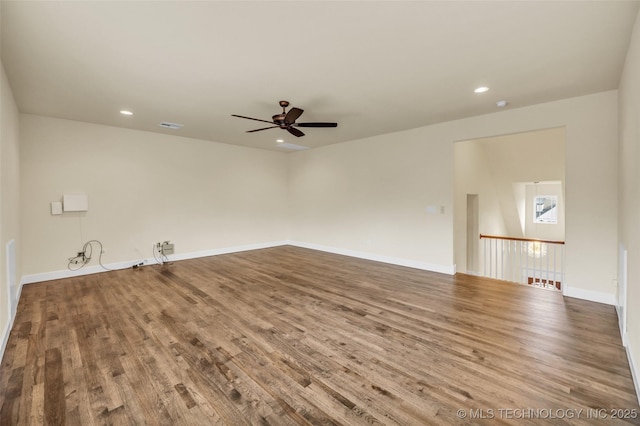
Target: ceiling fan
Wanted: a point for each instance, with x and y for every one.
(287, 120)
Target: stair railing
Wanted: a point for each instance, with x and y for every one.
(538, 263)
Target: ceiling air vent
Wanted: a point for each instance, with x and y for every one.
(174, 126)
(292, 146)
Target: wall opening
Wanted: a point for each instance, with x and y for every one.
(473, 234)
(504, 175)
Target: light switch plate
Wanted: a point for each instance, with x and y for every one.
(56, 207)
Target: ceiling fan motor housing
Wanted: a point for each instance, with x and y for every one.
(287, 121)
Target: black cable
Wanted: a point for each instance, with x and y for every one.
(156, 251)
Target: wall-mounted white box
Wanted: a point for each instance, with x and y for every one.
(75, 202)
(56, 207)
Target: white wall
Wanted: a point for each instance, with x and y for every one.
(544, 231)
(473, 176)
(629, 223)
(524, 157)
(9, 196)
(370, 196)
(143, 188)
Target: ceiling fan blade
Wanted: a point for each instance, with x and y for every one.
(264, 128)
(293, 115)
(249, 118)
(318, 124)
(295, 132)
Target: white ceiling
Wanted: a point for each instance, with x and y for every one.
(374, 67)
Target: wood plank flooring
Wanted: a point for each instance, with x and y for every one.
(289, 336)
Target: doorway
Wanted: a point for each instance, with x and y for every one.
(492, 178)
(473, 234)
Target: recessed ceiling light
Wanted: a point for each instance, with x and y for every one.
(124, 112)
(481, 89)
(501, 104)
(279, 141)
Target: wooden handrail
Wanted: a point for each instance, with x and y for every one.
(531, 240)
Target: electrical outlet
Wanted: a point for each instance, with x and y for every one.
(166, 248)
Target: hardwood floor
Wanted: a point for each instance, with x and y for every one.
(292, 336)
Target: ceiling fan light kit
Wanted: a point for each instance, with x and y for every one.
(287, 121)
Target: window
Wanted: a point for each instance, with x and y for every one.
(545, 209)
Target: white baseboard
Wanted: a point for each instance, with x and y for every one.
(227, 250)
(443, 269)
(10, 320)
(593, 296)
(5, 338)
(96, 269)
(625, 339)
(87, 270)
(632, 367)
